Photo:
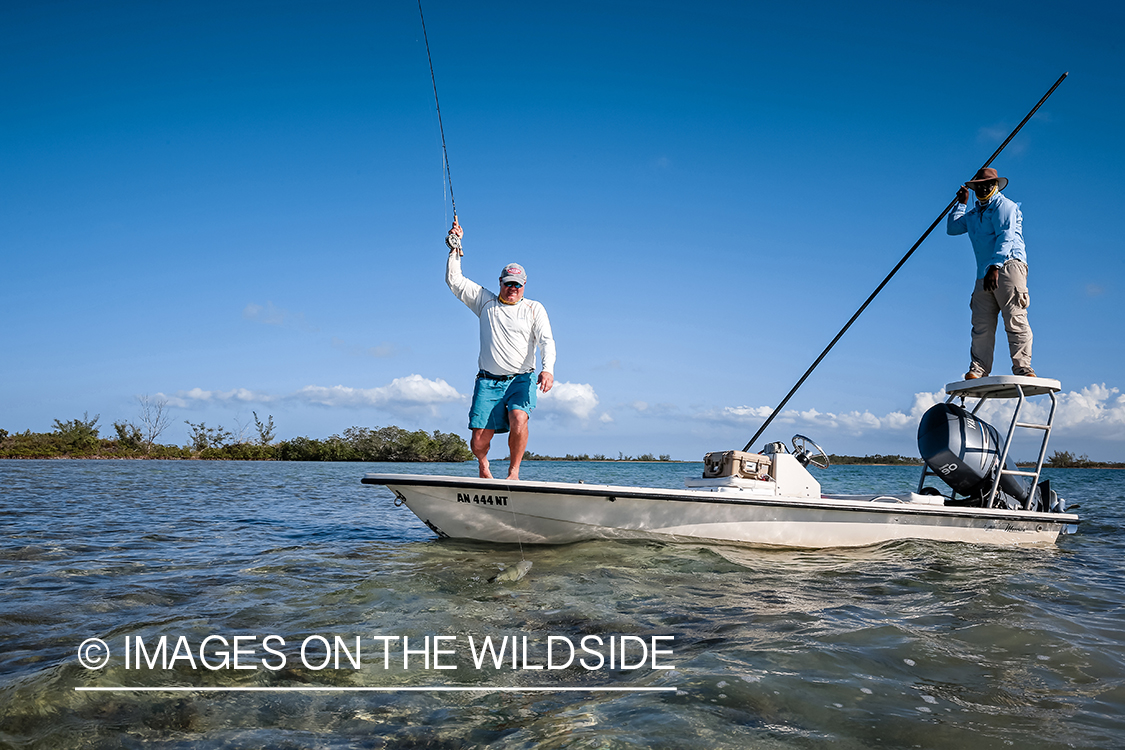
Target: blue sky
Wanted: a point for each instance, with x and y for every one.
(240, 207)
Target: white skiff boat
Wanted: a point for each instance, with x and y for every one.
(771, 498)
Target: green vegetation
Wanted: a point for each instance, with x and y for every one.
(877, 460)
(1067, 460)
(380, 444)
(833, 458)
(1057, 460)
(529, 456)
(79, 438)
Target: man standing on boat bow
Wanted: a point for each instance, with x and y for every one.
(995, 228)
(511, 328)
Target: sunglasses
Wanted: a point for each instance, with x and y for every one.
(513, 284)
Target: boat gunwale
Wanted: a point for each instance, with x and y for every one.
(608, 491)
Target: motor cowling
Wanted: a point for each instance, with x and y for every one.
(964, 452)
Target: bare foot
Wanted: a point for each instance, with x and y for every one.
(484, 473)
(514, 477)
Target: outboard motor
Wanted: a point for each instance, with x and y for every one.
(964, 452)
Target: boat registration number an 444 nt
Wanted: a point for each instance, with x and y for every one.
(465, 497)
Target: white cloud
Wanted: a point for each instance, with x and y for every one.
(654, 410)
(409, 393)
(574, 400)
(996, 133)
(1096, 411)
(737, 415)
(184, 399)
(614, 364)
(272, 315)
(384, 350)
(852, 422)
(412, 390)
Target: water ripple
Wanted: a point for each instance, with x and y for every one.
(906, 644)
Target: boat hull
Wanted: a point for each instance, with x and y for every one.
(560, 513)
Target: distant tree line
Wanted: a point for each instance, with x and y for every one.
(80, 438)
(1067, 460)
(529, 456)
(1059, 459)
(877, 459)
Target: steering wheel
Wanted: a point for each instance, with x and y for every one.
(801, 445)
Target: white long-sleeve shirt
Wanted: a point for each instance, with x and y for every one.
(509, 334)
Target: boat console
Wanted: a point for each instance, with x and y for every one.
(774, 471)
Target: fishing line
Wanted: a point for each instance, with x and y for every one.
(449, 180)
(437, 105)
(519, 536)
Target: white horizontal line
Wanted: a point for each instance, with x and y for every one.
(430, 689)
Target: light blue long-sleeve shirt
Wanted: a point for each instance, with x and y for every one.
(995, 229)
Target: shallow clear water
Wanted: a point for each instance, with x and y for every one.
(901, 645)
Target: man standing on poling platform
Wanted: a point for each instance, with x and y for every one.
(995, 228)
(511, 328)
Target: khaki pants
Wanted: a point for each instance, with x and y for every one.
(1010, 300)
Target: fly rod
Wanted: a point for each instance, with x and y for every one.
(879, 288)
(437, 105)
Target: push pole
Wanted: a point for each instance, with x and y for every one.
(894, 270)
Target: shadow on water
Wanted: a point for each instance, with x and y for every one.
(900, 645)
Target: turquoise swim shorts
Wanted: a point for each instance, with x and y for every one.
(492, 399)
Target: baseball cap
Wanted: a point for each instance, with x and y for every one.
(513, 272)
